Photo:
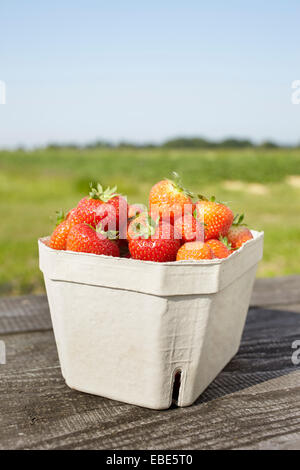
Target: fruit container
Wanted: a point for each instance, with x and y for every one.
(147, 333)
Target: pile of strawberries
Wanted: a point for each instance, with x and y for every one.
(175, 227)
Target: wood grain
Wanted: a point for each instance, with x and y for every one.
(276, 291)
(26, 313)
(253, 403)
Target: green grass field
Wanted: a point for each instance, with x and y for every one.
(265, 184)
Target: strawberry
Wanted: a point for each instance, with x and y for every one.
(194, 250)
(169, 200)
(189, 228)
(106, 217)
(134, 210)
(70, 213)
(85, 239)
(217, 218)
(238, 233)
(140, 226)
(59, 236)
(154, 242)
(144, 226)
(121, 208)
(87, 208)
(219, 247)
(158, 250)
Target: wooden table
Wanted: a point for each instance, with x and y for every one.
(253, 404)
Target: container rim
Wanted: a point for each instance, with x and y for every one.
(216, 261)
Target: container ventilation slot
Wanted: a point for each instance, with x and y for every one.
(176, 387)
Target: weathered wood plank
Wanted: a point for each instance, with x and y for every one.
(25, 313)
(276, 291)
(290, 441)
(285, 308)
(38, 411)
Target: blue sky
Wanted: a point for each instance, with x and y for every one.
(146, 71)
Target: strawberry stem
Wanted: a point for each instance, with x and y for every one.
(97, 192)
(176, 182)
(147, 228)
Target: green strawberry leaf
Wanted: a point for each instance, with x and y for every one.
(110, 234)
(211, 199)
(226, 242)
(176, 182)
(59, 216)
(104, 195)
(238, 219)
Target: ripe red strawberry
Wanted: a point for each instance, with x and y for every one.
(141, 225)
(70, 213)
(194, 250)
(59, 236)
(217, 218)
(158, 250)
(87, 208)
(86, 212)
(189, 228)
(106, 217)
(85, 239)
(238, 233)
(157, 244)
(219, 248)
(169, 200)
(144, 226)
(121, 208)
(134, 210)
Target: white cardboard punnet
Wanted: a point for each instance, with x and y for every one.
(125, 327)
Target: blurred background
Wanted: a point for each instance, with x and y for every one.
(127, 92)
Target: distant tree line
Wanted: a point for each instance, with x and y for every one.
(176, 143)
